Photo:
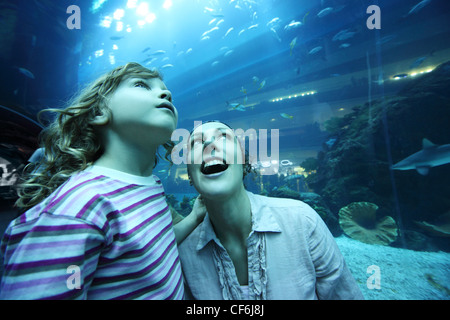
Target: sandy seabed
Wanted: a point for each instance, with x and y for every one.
(403, 274)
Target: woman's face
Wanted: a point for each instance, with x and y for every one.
(216, 160)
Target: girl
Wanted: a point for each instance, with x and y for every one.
(98, 225)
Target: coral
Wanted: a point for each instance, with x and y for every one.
(284, 192)
(440, 228)
(316, 202)
(436, 284)
(358, 166)
(186, 206)
(358, 221)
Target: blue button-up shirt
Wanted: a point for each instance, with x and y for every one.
(291, 255)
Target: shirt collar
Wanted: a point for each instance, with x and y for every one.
(262, 221)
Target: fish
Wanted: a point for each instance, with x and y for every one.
(294, 176)
(304, 17)
(188, 50)
(157, 53)
(344, 35)
(292, 25)
(253, 26)
(228, 53)
(241, 32)
(167, 66)
(228, 32)
(400, 76)
(146, 49)
(212, 21)
(315, 50)
(275, 34)
(255, 79)
(344, 45)
(149, 60)
(116, 38)
(219, 22)
(243, 90)
(215, 63)
(418, 7)
(420, 60)
(386, 39)
(205, 38)
(26, 73)
(273, 21)
(325, 12)
(235, 106)
(292, 45)
(431, 155)
(262, 84)
(209, 31)
(286, 116)
(330, 142)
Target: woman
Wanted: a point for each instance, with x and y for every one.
(250, 246)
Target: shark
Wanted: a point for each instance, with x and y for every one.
(431, 155)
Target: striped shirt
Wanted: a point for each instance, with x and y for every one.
(103, 234)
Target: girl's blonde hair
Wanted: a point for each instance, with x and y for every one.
(70, 142)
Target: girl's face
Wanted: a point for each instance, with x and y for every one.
(216, 161)
(142, 110)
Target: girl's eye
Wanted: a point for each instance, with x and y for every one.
(141, 84)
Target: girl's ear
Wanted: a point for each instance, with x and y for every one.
(100, 120)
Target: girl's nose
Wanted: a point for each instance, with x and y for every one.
(166, 94)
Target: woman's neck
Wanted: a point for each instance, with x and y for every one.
(231, 217)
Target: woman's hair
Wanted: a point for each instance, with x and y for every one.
(70, 142)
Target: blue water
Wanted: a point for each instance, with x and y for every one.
(348, 101)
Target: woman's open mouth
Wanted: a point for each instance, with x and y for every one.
(213, 166)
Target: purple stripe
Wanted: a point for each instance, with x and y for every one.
(36, 282)
(144, 248)
(46, 245)
(142, 201)
(93, 199)
(177, 293)
(20, 235)
(138, 277)
(169, 273)
(144, 270)
(40, 263)
(118, 222)
(131, 231)
(76, 187)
